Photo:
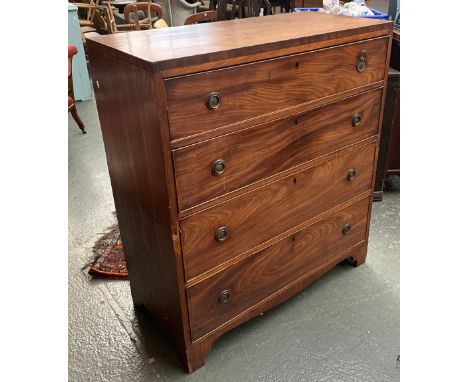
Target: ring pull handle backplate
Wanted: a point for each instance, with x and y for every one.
(224, 296)
(222, 234)
(362, 61)
(351, 174)
(213, 101)
(346, 228)
(218, 167)
(356, 120)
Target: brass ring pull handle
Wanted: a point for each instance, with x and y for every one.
(362, 62)
(356, 120)
(222, 234)
(213, 101)
(346, 228)
(218, 167)
(224, 296)
(351, 174)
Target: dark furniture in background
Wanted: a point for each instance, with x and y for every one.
(252, 8)
(395, 57)
(389, 152)
(242, 168)
(284, 4)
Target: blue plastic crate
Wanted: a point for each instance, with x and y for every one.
(377, 15)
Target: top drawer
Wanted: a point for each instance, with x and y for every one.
(209, 100)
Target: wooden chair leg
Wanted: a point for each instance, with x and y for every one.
(77, 119)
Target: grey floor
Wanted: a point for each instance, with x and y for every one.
(345, 327)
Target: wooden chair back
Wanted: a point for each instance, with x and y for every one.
(100, 21)
(148, 8)
(112, 26)
(90, 7)
(201, 16)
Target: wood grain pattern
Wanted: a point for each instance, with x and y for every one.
(172, 253)
(183, 341)
(258, 54)
(357, 251)
(262, 151)
(167, 48)
(266, 272)
(139, 184)
(259, 88)
(273, 116)
(262, 182)
(264, 213)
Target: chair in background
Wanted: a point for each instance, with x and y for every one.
(181, 10)
(88, 17)
(177, 11)
(146, 10)
(72, 50)
(201, 17)
(100, 20)
(112, 26)
(89, 7)
(166, 7)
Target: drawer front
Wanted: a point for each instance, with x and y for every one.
(258, 276)
(225, 231)
(252, 90)
(252, 154)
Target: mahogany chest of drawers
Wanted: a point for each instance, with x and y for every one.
(242, 160)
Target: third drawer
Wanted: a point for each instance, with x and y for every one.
(224, 231)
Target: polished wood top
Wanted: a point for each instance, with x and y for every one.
(195, 44)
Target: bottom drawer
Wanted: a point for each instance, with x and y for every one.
(228, 293)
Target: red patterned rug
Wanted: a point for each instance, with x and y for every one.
(109, 258)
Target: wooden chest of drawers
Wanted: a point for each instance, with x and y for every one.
(242, 160)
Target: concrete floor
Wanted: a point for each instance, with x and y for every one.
(345, 327)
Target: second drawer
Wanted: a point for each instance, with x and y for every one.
(222, 232)
(215, 167)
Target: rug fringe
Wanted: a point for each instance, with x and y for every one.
(103, 245)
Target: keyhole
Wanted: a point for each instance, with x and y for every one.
(297, 64)
(296, 121)
(295, 180)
